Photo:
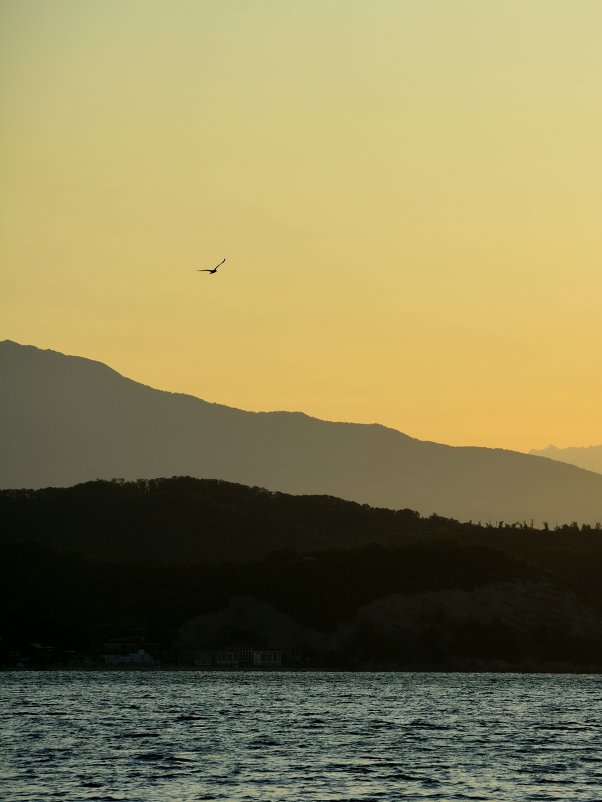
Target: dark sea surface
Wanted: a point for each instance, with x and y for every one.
(163, 736)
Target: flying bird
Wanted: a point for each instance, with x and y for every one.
(210, 270)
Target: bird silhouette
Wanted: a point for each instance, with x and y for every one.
(210, 270)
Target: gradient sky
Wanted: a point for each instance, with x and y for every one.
(408, 194)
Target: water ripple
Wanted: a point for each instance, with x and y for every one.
(179, 737)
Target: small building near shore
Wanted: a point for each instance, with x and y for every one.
(238, 657)
(137, 658)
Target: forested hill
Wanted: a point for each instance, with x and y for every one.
(176, 566)
(182, 519)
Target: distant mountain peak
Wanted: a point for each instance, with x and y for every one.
(587, 457)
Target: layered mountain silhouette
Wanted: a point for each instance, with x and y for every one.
(588, 457)
(66, 419)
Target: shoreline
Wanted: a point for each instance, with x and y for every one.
(549, 669)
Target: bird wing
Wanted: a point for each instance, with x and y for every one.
(210, 270)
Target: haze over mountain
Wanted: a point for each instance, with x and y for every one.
(588, 457)
(67, 419)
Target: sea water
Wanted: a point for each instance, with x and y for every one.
(162, 736)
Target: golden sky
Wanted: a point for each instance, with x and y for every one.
(408, 194)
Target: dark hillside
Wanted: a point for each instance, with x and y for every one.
(177, 565)
(438, 604)
(187, 520)
(183, 519)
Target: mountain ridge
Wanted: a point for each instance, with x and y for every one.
(66, 420)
